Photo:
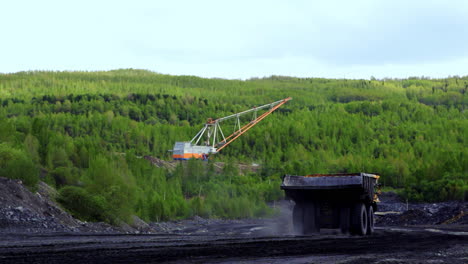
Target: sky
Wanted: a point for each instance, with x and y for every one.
(238, 39)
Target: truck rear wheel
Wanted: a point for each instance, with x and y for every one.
(359, 220)
(306, 218)
(344, 220)
(370, 223)
(298, 218)
(311, 223)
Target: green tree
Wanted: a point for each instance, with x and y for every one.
(16, 164)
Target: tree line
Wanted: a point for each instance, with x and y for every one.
(85, 133)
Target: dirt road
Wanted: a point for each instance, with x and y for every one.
(395, 245)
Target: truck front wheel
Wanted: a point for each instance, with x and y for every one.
(359, 220)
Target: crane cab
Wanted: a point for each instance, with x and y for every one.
(185, 151)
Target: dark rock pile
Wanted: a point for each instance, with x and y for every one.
(399, 213)
(20, 218)
(22, 211)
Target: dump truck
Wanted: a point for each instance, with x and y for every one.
(341, 200)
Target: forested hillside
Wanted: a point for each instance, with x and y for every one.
(85, 133)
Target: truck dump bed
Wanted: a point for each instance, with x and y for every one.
(339, 185)
(330, 181)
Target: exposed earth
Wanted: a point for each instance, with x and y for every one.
(34, 229)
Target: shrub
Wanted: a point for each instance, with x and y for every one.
(16, 164)
(64, 176)
(85, 206)
(198, 207)
(450, 187)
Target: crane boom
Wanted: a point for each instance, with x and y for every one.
(244, 129)
(251, 110)
(212, 138)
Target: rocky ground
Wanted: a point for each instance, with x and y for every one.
(35, 229)
(393, 211)
(22, 210)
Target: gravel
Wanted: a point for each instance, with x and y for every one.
(399, 213)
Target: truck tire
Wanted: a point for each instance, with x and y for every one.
(298, 218)
(359, 220)
(370, 222)
(344, 219)
(311, 223)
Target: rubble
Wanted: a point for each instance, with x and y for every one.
(393, 211)
(22, 211)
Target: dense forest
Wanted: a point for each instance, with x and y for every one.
(86, 133)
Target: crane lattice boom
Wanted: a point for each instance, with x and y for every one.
(211, 137)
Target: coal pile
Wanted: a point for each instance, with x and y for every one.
(393, 211)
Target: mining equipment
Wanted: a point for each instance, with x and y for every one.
(343, 200)
(210, 139)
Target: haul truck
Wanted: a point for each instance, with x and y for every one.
(343, 200)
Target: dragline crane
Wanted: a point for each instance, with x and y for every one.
(210, 139)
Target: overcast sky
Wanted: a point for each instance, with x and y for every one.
(237, 38)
